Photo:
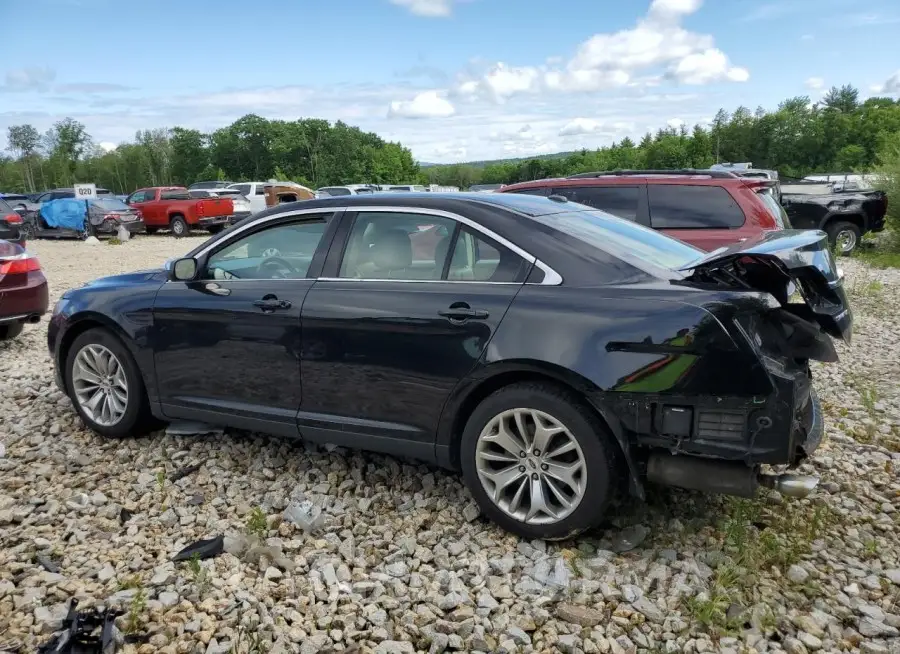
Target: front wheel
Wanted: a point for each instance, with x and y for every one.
(844, 237)
(106, 386)
(10, 331)
(179, 227)
(538, 461)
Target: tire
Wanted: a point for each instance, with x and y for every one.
(151, 230)
(26, 231)
(136, 418)
(551, 405)
(844, 237)
(10, 331)
(214, 229)
(179, 227)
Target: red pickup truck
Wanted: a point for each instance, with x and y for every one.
(173, 207)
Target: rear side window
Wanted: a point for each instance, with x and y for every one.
(260, 189)
(335, 191)
(174, 195)
(243, 189)
(692, 207)
(621, 201)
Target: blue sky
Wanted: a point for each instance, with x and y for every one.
(454, 80)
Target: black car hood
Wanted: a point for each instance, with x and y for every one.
(774, 260)
(125, 279)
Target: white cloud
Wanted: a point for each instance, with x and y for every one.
(524, 133)
(107, 146)
(675, 123)
(708, 66)
(34, 78)
(656, 47)
(429, 8)
(580, 126)
(428, 104)
(891, 85)
(814, 83)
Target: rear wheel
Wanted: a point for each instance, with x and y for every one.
(538, 461)
(106, 386)
(214, 229)
(179, 226)
(10, 331)
(844, 237)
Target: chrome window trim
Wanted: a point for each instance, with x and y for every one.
(233, 234)
(551, 277)
(415, 281)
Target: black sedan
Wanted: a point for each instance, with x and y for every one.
(547, 350)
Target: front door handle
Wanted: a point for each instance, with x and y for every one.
(462, 311)
(272, 304)
(215, 289)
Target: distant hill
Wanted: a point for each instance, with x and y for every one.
(488, 162)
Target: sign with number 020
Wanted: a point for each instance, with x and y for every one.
(85, 191)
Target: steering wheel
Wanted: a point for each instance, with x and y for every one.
(276, 268)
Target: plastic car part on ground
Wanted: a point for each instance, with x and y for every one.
(188, 428)
(84, 632)
(201, 549)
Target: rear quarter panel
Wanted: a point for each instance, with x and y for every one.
(618, 346)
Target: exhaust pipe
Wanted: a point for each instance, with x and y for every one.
(798, 486)
(33, 320)
(724, 477)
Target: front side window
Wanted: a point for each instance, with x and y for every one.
(139, 196)
(282, 251)
(397, 246)
(692, 207)
(621, 201)
(243, 189)
(335, 191)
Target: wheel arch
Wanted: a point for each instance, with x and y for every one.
(89, 321)
(471, 392)
(854, 217)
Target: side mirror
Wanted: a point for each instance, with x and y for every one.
(20, 210)
(183, 270)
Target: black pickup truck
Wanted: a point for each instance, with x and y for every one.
(844, 213)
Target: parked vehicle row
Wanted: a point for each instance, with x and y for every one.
(172, 207)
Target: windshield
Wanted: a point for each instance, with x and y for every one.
(623, 239)
(111, 204)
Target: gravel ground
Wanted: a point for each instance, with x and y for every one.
(400, 561)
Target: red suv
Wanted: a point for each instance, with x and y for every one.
(706, 208)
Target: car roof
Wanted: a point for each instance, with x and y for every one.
(528, 205)
(626, 177)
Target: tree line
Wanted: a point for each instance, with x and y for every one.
(310, 151)
(838, 134)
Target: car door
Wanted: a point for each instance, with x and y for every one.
(408, 301)
(705, 216)
(142, 201)
(227, 345)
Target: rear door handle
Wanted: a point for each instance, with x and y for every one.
(272, 304)
(463, 313)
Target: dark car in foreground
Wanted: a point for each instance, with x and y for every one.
(23, 290)
(548, 350)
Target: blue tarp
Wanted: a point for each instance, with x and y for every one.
(66, 214)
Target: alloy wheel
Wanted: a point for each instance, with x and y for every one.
(100, 385)
(531, 466)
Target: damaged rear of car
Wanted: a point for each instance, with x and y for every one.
(781, 300)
